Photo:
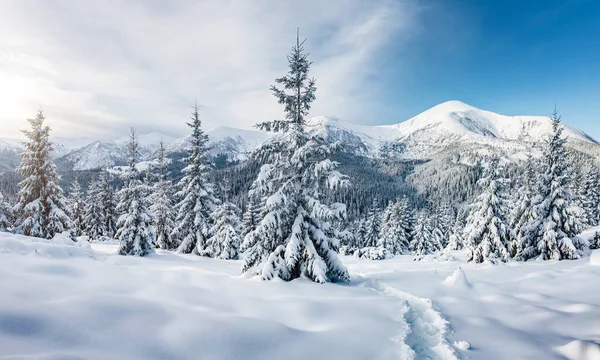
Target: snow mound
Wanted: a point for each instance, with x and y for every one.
(580, 349)
(595, 258)
(458, 279)
(372, 253)
(462, 345)
(60, 247)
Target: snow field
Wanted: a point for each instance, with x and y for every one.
(517, 310)
(168, 306)
(62, 301)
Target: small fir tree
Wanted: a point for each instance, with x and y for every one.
(162, 204)
(77, 208)
(106, 197)
(372, 226)
(487, 229)
(135, 229)
(423, 242)
(6, 214)
(224, 241)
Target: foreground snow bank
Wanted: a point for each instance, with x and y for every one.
(60, 299)
(168, 306)
(517, 310)
(61, 246)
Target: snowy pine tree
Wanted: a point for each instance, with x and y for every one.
(456, 240)
(487, 231)
(162, 204)
(193, 221)
(135, 230)
(423, 241)
(296, 237)
(6, 214)
(523, 211)
(595, 241)
(591, 194)
(393, 235)
(93, 218)
(106, 198)
(372, 226)
(552, 234)
(250, 218)
(42, 209)
(224, 241)
(77, 208)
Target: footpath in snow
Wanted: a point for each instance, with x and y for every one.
(61, 301)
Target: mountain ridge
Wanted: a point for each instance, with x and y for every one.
(451, 123)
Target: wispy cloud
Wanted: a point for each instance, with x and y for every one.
(98, 67)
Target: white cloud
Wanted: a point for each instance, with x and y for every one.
(98, 67)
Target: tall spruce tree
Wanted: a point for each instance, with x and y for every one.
(93, 218)
(193, 222)
(393, 235)
(77, 208)
(135, 229)
(552, 234)
(106, 198)
(6, 214)
(296, 237)
(372, 226)
(591, 194)
(162, 204)
(42, 209)
(423, 241)
(523, 212)
(487, 230)
(251, 217)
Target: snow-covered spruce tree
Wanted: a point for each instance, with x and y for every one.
(162, 204)
(372, 226)
(407, 220)
(250, 218)
(42, 209)
(456, 239)
(296, 237)
(592, 197)
(552, 234)
(193, 221)
(393, 235)
(423, 241)
(93, 218)
(135, 229)
(595, 241)
(106, 196)
(487, 231)
(6, 214)
(224, 241)
(77, 208)
(523, 212)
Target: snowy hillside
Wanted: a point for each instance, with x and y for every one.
(63, 300)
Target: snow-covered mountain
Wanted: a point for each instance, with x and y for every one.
(452, 127)
(235, 143)
(449, 124)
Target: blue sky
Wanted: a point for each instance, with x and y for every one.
(98, 67)
(510, 57)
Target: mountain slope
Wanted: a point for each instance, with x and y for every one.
(452, 127)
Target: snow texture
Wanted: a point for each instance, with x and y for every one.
(61, 300)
